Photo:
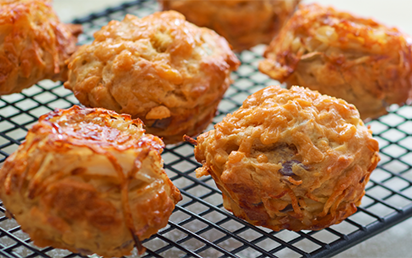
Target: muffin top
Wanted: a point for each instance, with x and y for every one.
(160, 62)
(102, 128)
(314, 29)
(343, 29)
(314, 123)
(93, 132)
(243, 23)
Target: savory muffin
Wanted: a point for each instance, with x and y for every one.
(356, 59)
(90, 181)
(244, 23)
(290, 159)
(34, 45)
(161, 69)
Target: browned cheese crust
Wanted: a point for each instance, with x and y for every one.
(34, 45)
(356, 59)
(86, 180)
(290, 159)
(244, 23)
(161, 69)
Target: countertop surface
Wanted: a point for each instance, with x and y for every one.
(394, 242)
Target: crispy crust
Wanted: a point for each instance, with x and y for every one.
(290, 159)
(33, 44)
(243, 23)
(88, 180)
(162, 69)
(359, 60)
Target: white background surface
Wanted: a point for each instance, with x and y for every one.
(395, 242)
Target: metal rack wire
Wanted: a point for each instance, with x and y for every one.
(200, 226)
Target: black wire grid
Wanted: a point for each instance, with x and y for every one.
(200, 226)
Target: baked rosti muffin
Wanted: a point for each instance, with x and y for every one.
(90, 181)
(161, 69)
(34, 45)
(356, 59)
(244, 23)
(290, 159)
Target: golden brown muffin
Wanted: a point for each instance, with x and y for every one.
(161, 69)
(356, 59)
(290, 159)
(244, 23)
(33, 44)
(90, 181)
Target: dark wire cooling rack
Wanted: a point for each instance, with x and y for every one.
(200, 226)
